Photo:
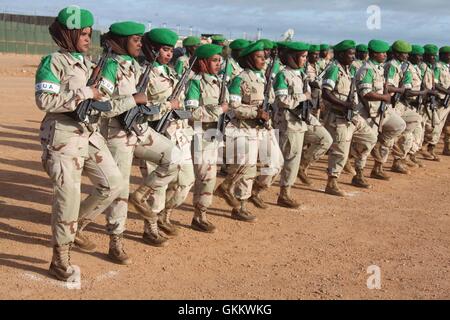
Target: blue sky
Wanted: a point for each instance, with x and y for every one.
(313, 21)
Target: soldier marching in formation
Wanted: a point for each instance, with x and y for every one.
(280, 105)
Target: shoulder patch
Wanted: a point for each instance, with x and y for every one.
(46, 80)
(109, 76)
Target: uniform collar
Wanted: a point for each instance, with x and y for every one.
(210, 78)
(162, 68)
(72, 60)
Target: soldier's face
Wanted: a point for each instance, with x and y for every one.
(362, 55)
(84, 42)
(379, 57)
(260, 59)
(401, 56)
(134, 45)
(314, 56)
(165, 54)
(416, 58)
(429, 58)
(324, 54)
(300, 58)
(349, 57)
(445, 57)
(214, 64)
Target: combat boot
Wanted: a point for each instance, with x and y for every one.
(152, 235)
(201, 223)
(116, 252)
(348, 168)
(139, 200)
(413, 158)
(399, 167)
(60, 266)
(446, 151)
(378, 172)
(241, 213)
(409, 162)
(165, 224)
(303, 174)
(434, 156)
(224, 191)
(256, 198)
(333, 187)
(285, 199)
(82, 242)
(359, 180)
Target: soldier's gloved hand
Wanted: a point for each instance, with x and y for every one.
(224, 107)
(263, 115)
(140, 98)
(97, 94)
(175, 104)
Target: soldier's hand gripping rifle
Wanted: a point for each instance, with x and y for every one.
(303, 111)
(265, 106)
(224, 118)
(398, 95)
(170, 115)
(133, 118)
(89, 110)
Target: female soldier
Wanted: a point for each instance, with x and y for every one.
(119, 81)
(248, 133)
(291, 88)
(69, 145)
(163, 80)
(202, 97)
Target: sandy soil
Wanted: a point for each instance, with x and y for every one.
(321, 251)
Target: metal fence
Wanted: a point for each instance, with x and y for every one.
(29, 38)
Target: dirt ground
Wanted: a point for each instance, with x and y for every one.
(321, 251)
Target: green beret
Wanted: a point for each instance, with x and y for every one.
(345, 45)
(430, 49)
(297, 46)
(401, 46)
(163, 36)
(127, 28)
(378, 46)
(239, 44)
(255, 46)
(314, 47)
(191, 41)
(416, 49)
(218, 38)
(267, 43)
(445, 49)
(324, 47)
(67, 18)
(362, 48)
(207, 51)
(282, 44)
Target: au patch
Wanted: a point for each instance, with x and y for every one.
(47, 87)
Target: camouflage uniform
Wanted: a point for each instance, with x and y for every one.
(203, 98)
(69, 147)
(247, 139)
(162, 82)
(409, 115)
(417, 76)
(119, 82)
(370, 78)
(290, 88)
(346, 133)
(442, 77)
(317, 139)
